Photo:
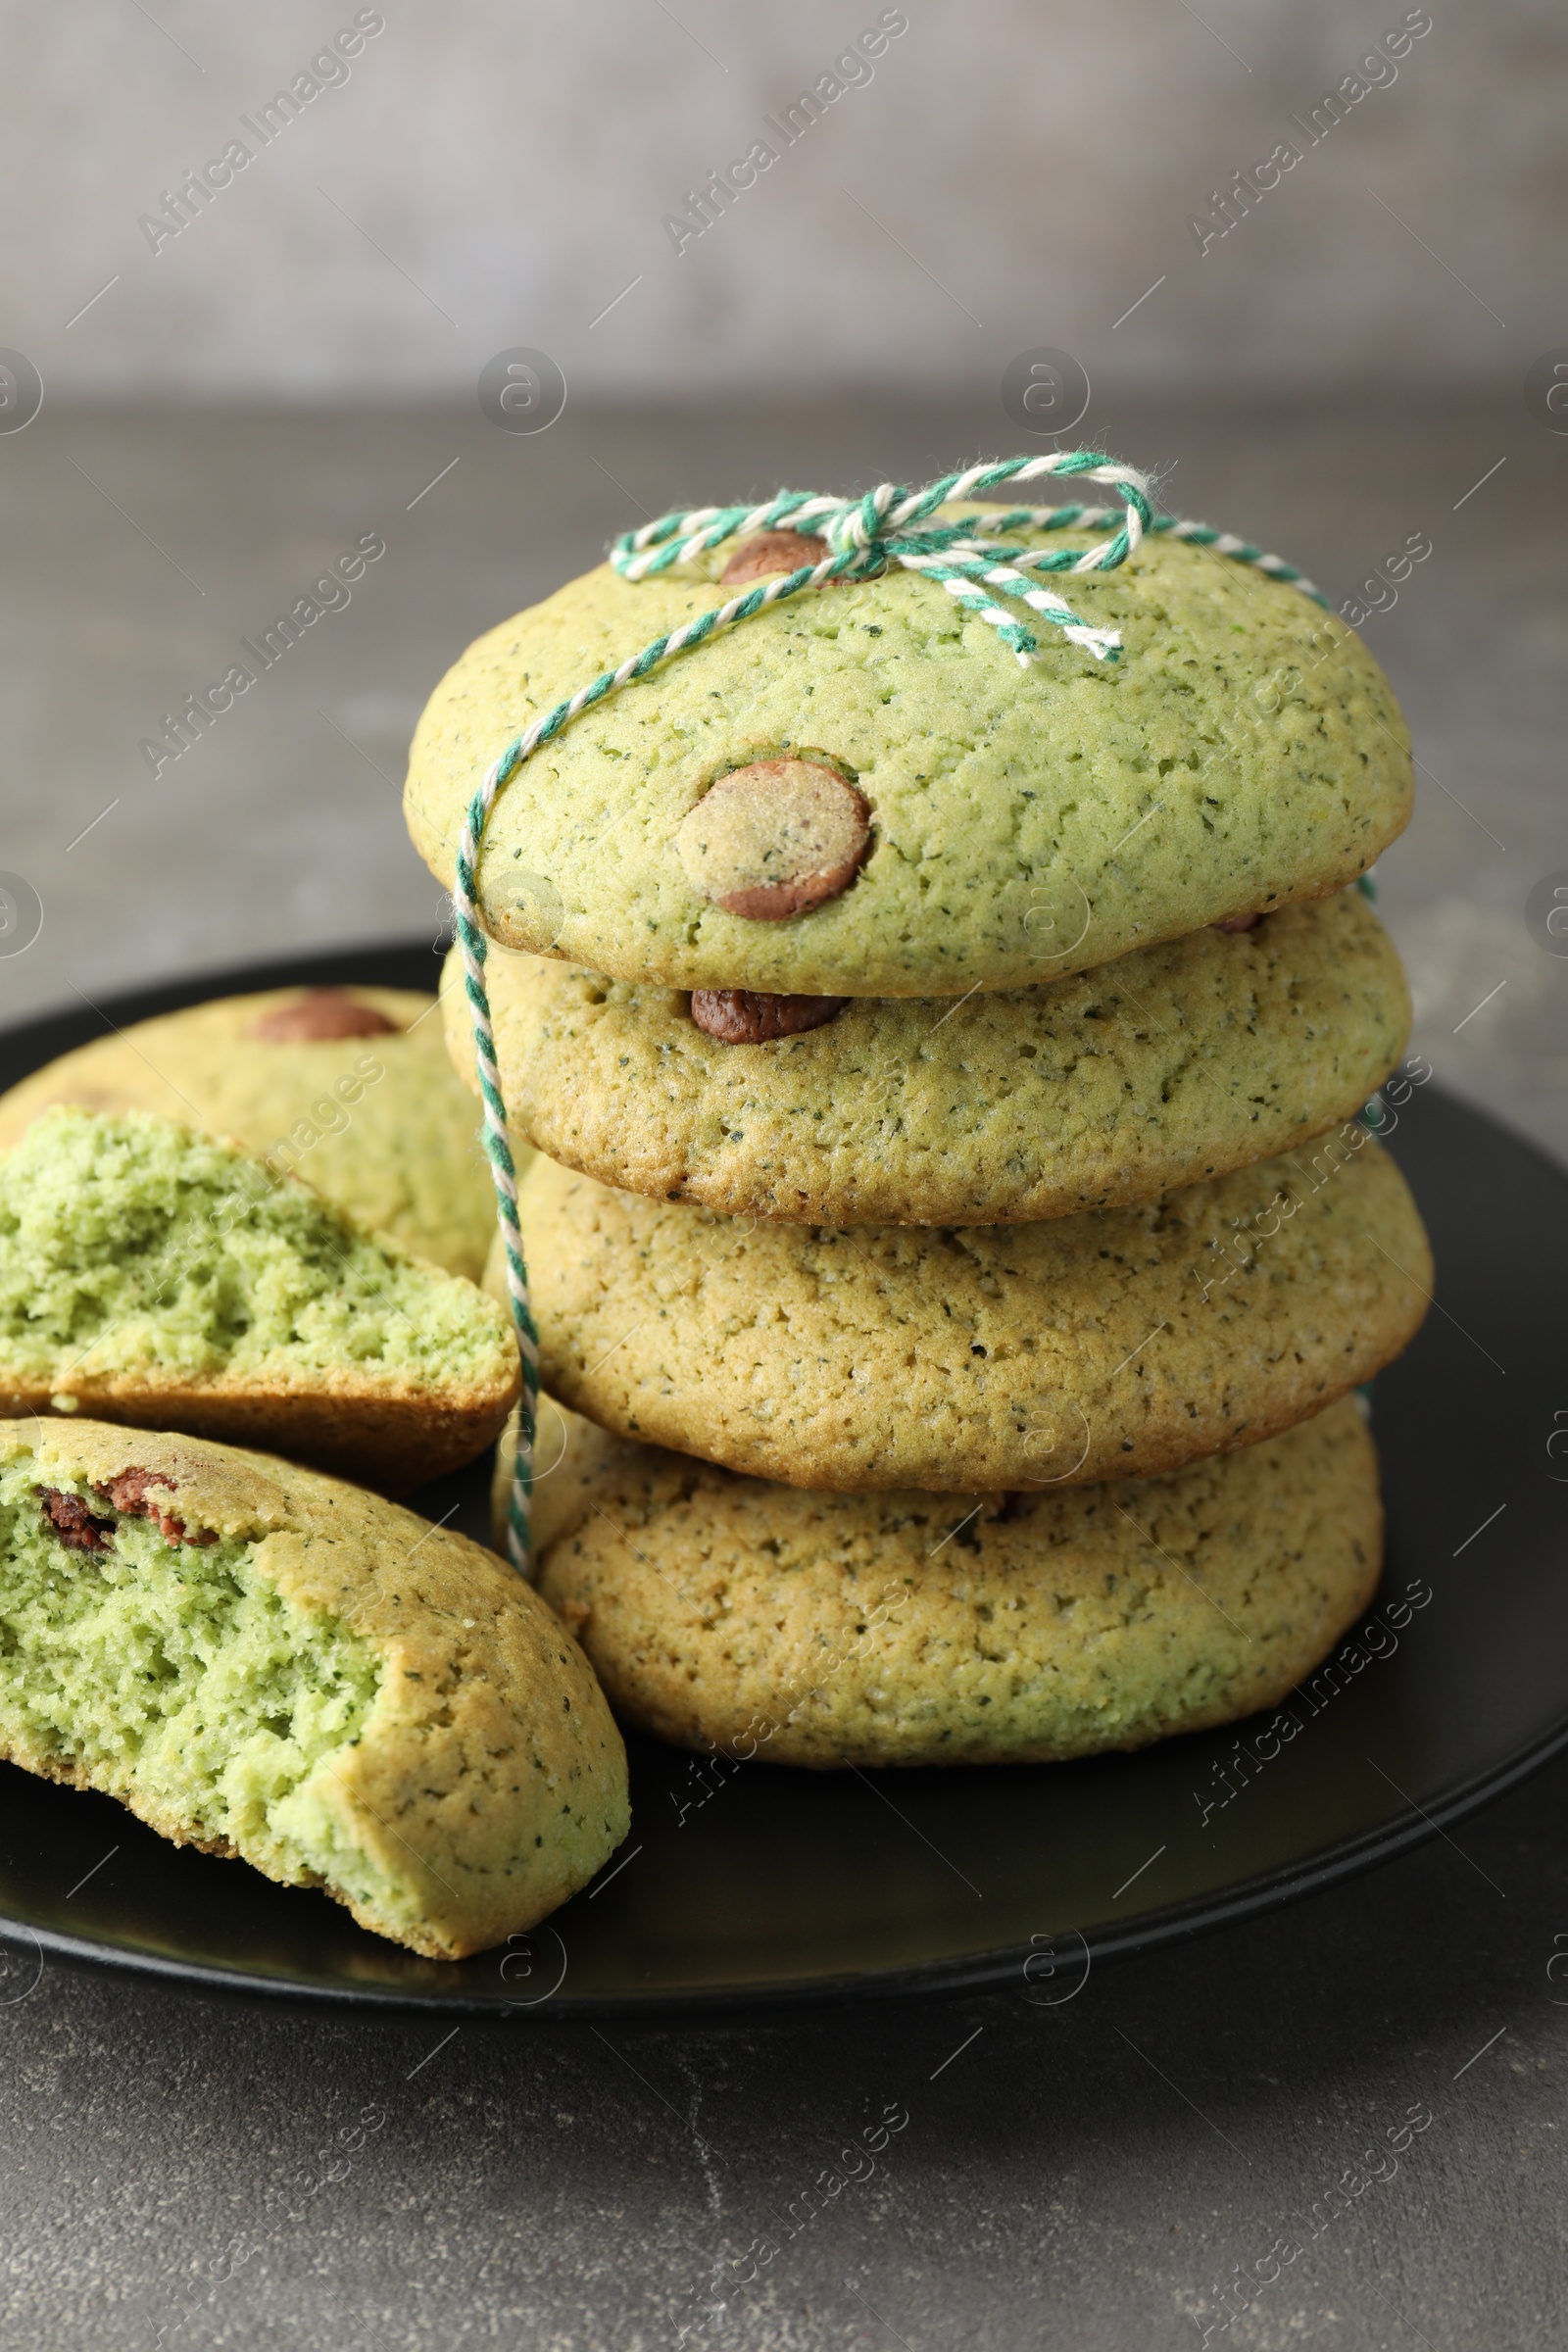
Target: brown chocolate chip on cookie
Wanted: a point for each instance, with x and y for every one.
(1237, 922)
(325, 1012)
(747, 1017)
(72, 1520)
(128, 1491)
(771, 551)
(776, 839)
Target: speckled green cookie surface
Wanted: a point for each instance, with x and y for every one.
(1244, 751)
(263, 1662)
(828, 1629)
(379, 1124)
(1117, 1343)
(1171, 1064)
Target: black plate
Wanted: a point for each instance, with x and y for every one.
(750, 1881)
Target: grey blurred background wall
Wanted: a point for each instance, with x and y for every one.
(1305, 259)
(1006, 172)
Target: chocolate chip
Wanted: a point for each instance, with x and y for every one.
(128, 1491)
(73, 1523)
(771, 551)
(326, 1012)
(746, 1016)
(1237, 922)
(776, 839)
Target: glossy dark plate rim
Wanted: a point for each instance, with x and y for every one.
(1181, 1923)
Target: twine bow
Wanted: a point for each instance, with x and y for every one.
(890, 526)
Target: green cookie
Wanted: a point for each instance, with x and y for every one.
(155, 1274)
(1014, 824)
(374, 1120)
(843, 1630)
(266, 1663)
(1122, 1343)
(1171, 1064)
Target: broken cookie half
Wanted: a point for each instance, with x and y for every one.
(267, 1664)
(156, 1276)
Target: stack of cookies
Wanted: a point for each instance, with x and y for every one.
(954, 1302)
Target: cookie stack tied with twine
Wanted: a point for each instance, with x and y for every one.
(929, 1021)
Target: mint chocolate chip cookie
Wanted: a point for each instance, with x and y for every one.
(1116, 1344)
(1169, 1065)
(152, 1275)
(346, 1087)
(861, 793)
(267, 1664)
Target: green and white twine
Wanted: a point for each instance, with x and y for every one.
(889, 527)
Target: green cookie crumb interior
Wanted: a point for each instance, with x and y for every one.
(132, 1244)
(175, 1674)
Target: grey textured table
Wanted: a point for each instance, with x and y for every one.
(1084, 2174)
(1087, 2174)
